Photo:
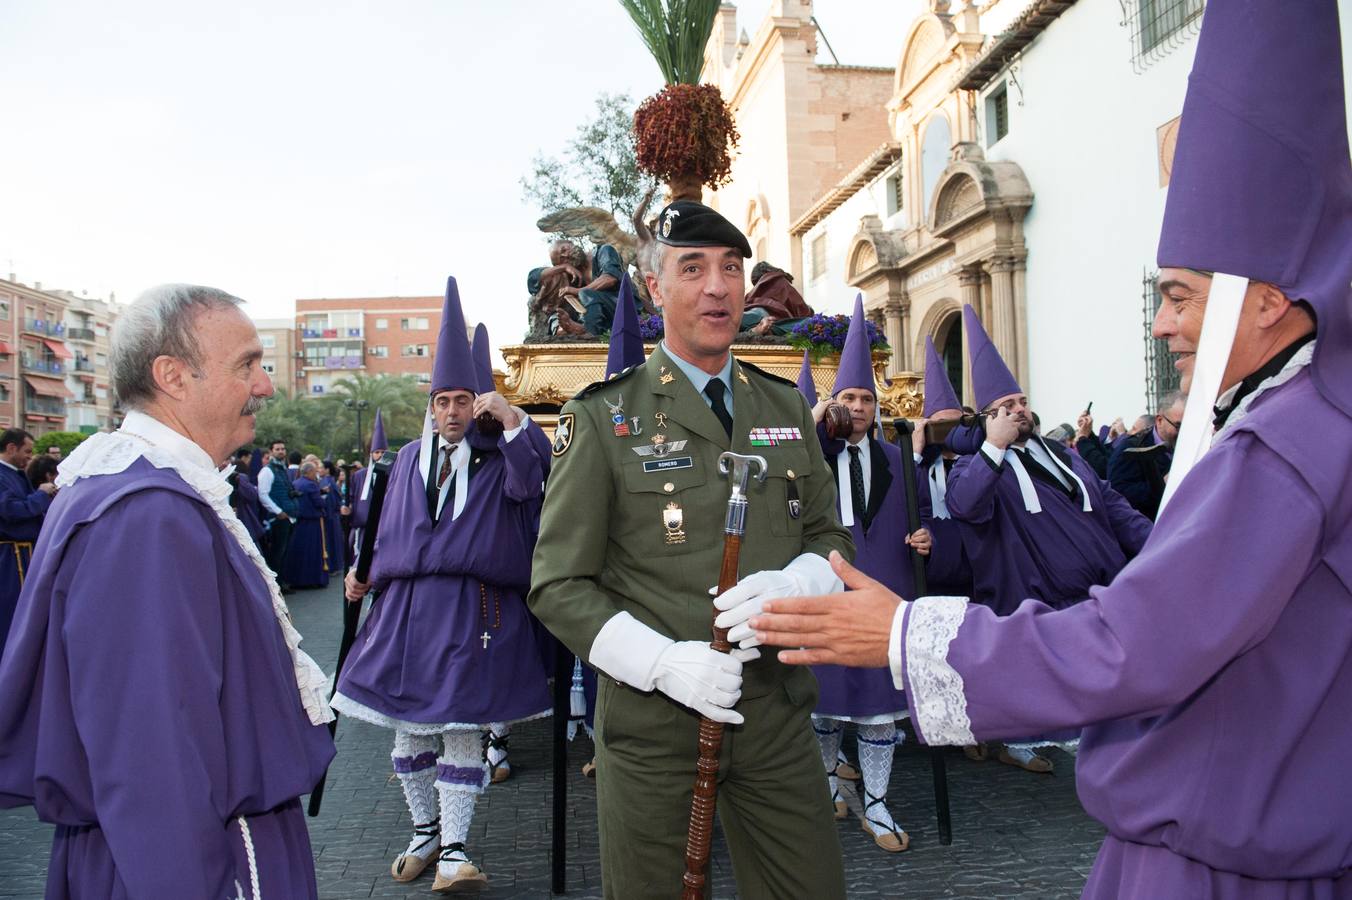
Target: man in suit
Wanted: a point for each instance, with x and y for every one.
(1139, 463)
(21, 510)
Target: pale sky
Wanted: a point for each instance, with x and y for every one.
(307, 149)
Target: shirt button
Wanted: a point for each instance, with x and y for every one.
(668, 487)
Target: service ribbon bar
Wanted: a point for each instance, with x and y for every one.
(770, 437)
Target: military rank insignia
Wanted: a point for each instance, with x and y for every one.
(563, 434)
(772, 437)
(617, 416)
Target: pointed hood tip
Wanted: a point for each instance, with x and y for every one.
(991, 378)
(806, 386)
(939, 393)
(378, 441)
(856, 357)
(626, 343)
(453, 365)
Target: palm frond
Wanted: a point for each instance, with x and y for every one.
(675, 33)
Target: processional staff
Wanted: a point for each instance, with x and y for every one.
(740, 469)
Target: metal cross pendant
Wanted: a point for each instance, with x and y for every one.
(486, 637)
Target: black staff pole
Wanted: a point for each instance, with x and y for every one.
(904, 427)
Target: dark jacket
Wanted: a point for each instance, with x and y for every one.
(1136, 469)
(1095, 452)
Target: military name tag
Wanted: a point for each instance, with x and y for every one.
(666, 465)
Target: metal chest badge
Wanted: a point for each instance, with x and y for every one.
(617, 416)
(672, 518)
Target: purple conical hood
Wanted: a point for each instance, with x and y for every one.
(856, 359)
(806, 386)
(1261, 185)
(991, 378)
(939, 393)
(626, 344)
(378, 441)
(453, 367)
(483, 359)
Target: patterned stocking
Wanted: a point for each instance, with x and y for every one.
(415, 762)
(829, 733)
(876, 746)
(461, 776)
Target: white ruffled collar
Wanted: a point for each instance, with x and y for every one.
(143, 437)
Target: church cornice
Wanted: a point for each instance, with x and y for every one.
(1009, 43)
(872, 166)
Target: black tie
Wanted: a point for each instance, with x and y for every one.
(714, 391)
(857, 484)
(434, 484)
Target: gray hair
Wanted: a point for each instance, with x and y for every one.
(306, 470)
(1168, 400)
(158, 323)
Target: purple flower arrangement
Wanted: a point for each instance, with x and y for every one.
(822, 334)
(651, 328)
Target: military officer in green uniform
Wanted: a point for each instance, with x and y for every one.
(630, 542)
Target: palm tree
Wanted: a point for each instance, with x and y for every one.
(400, 399)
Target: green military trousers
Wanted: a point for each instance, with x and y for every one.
(773, 802)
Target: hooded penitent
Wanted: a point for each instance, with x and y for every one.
(453, 367)
(939, 393)
(1261, 187)
(626, 345)
(856, 358)
(991, 378)
(378, 441)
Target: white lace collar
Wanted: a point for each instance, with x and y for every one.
(142, 437)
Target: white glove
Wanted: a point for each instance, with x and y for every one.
(806, 575)
(696, 675)
(690, 672)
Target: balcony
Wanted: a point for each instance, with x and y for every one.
(330, 334)
(80, 334)
(45, 326)
(44, 406)
(50, 366)
(343, 362)
(84, 364)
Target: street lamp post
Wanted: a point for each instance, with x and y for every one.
(359, 406)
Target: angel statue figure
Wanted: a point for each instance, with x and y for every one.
(576, 293)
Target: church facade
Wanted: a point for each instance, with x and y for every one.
(1022, 170)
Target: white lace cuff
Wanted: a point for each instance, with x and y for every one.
(937, 700)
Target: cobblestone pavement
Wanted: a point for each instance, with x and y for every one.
(1016, 835)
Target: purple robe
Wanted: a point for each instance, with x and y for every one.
(1055, 555)
(420, 659)
(143, 713)
(1212, 675)
(880, 553)
(248, 507)
(336, 555)
(306, 563)
(21, 510)
(947, 569)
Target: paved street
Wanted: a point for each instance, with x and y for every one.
(1016, 835)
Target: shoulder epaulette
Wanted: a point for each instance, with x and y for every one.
(597, 385)
(759, 371)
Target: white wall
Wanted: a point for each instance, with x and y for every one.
(830, 293)
(1085, 138)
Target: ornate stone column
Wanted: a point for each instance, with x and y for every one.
(969, 283)
(1002, 326)
(896, 312)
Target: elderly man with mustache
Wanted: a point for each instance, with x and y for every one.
(158, 709)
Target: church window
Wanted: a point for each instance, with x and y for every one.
(934, 154)
(997, 114)
(894, 195)
(1157, 26)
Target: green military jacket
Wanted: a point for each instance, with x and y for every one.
(629, 525)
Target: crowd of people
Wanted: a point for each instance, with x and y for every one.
(1190, 644)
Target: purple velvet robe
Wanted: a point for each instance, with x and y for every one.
(947, 569)
(144, 713)
(248, 507)
(1054, 556)
(336, 556)
(306, 564)
(420, 657)
(880, 553)
(1217, 666)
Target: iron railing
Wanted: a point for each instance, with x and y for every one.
(1156, 27)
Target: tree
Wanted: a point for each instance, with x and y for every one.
(401, 400)
(599, 165)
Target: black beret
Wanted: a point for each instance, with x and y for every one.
(685, 223)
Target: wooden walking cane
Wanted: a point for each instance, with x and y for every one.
(938, 765)
(700, 836)
(380, 477)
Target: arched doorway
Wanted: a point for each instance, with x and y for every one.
(948, 342)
